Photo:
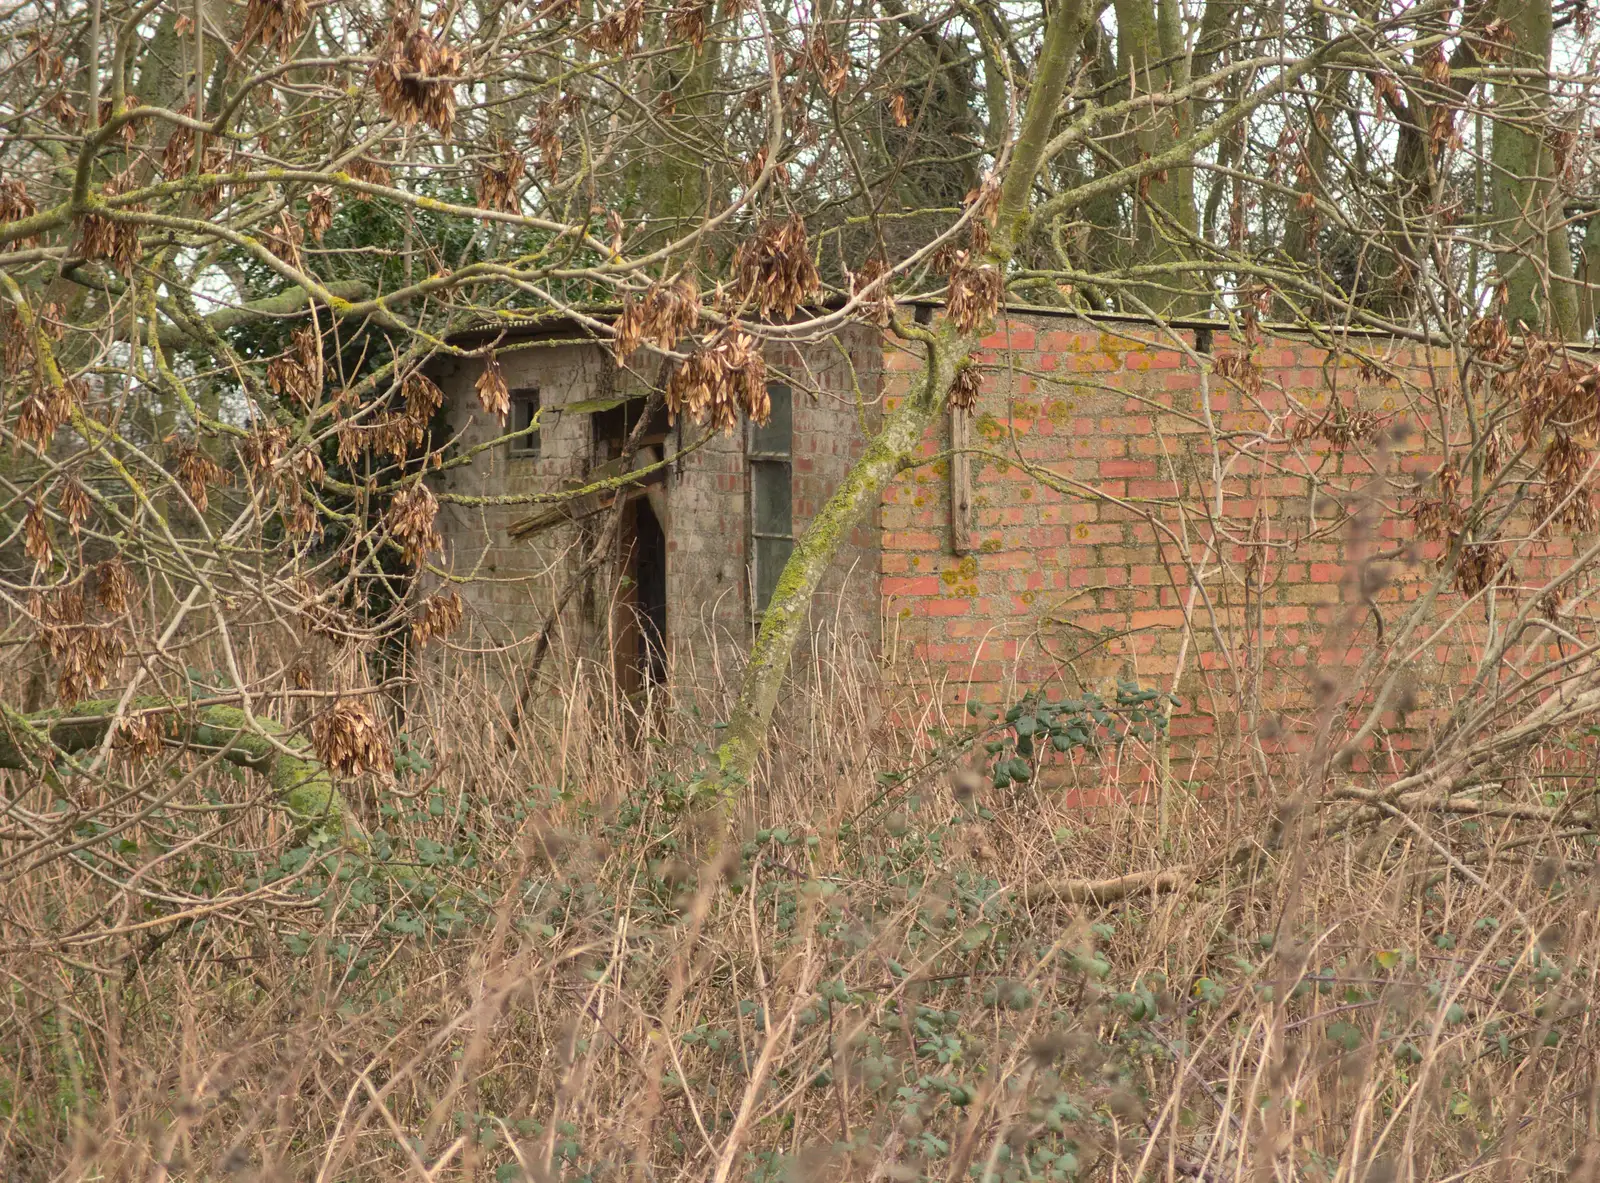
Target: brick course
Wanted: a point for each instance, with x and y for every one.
(1082, 586)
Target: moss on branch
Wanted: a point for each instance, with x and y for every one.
(300, 781)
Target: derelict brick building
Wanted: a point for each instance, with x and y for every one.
(1106, 466)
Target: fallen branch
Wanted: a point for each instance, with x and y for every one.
(1458, 804)
(300, 780)
(1105, 891)
(1160, 882)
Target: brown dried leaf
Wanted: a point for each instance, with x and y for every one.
(319, 211)
(665, 314)
(277, 24)
(415, 76)
(73, 501)
(15, 205)
(84, 653)
(438, 616)
(723, 378)
(113, 584)
(46, 407)
(140, 737)
(774, 269)
(195, 471)
(298, 372)
(974, 294)
(687, 21)
(412, 520)
(871, 286)
(497, 182)
(493, 394)
(617, 31)
(423, 398)
(964, 388)
(36, 535)
(178, 154)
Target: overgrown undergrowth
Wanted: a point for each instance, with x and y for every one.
(560, 968)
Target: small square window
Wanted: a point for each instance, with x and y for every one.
(524, 411)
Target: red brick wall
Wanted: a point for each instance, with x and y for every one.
(1087, 582)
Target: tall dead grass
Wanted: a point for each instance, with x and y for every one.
(559, 968)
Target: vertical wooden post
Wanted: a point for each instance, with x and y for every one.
(960, 482)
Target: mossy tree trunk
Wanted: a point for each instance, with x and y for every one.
(885, 456)
(1535, 259)
(1151, 59)
(670, 179)
(1328, 100)
(948, 349)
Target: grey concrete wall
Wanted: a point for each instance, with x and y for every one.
(837, 387)
(512, 583)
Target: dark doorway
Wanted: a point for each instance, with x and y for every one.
(640, 622)
(650, 573)
(640, 637)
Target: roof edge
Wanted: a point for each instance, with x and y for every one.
(554, 323)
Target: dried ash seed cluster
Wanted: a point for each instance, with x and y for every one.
(415, 76)
(724, 378)
(774, 271)
(347, 739)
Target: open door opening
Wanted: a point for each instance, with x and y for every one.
(650, 571)
(641, 630)
(640, 626)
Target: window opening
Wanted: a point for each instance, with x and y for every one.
(524, 409)
(771, 455)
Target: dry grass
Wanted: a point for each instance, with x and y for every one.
(566, 972)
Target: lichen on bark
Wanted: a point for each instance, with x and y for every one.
(948, 348)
